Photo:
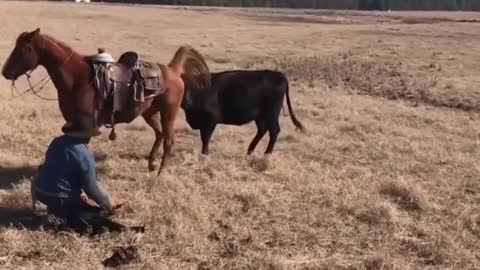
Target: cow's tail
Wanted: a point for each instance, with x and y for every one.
(292, 115)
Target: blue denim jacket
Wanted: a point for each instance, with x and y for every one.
(68, 168)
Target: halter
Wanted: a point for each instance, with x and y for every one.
(32, 87)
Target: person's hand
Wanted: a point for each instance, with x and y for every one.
(88, 201)
(115, 208)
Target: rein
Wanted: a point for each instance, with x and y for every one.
(32, 87)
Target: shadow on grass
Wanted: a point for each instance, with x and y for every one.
(19, 218)
(12, 176)
(24, 218)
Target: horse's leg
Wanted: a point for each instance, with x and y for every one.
(168, 120)
(168, 113)
(152, 117)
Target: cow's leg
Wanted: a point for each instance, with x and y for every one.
(273, 125)
(273, 132)
(261, 130)
(152, 117)
(206, 133)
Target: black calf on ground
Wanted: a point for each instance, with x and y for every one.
(238, 97)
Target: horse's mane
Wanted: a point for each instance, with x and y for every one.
(60, 43)
(67, 47)
(197, 81)
(87, 58)
(83, 57)
(187, 60)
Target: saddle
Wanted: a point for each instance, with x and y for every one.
(123, 86)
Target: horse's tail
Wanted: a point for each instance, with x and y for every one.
(187, 60)
(292, 115)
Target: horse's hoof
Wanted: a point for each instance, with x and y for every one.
(160, 169)
(151, 167)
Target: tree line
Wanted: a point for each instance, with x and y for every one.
(472, 5)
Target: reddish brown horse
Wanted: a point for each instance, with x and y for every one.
(71, 73)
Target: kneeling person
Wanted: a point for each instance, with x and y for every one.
(69, 168)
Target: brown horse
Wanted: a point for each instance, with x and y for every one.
(72, 75)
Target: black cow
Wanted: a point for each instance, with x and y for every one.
(238, 97)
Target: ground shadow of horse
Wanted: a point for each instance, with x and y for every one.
(12, 176)
(20, 218)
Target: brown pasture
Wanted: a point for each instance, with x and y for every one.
(386, 178)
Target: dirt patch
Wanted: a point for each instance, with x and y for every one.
(313, 204)
(405, 195)
(300, 19)
(387, 79)
(427, 20)
(351, 17)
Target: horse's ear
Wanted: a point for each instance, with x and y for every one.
(30, 35)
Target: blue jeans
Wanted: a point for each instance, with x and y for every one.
(80, 216)
(71, 212)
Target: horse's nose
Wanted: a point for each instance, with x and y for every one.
(7, 74)
(4, 72)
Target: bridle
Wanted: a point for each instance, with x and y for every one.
(44, 79)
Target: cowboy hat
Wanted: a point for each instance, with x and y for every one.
(83, 127)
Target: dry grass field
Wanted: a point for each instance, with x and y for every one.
(386, 178)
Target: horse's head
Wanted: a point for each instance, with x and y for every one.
(24, 57)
